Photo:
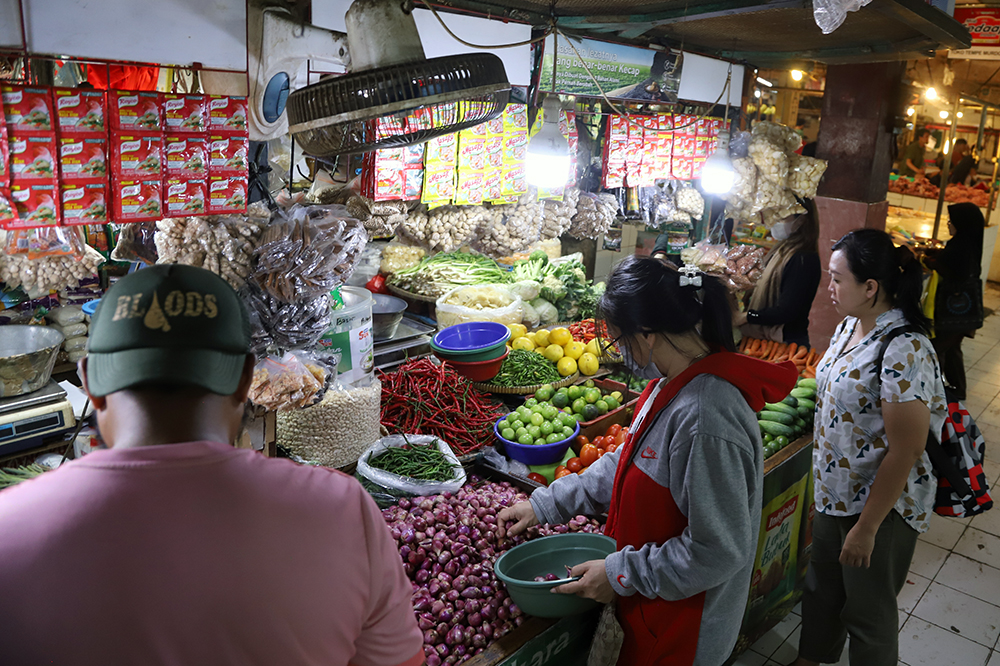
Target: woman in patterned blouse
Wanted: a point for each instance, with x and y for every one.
(873, 481)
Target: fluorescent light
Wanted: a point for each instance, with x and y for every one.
(930, 93)
(796, 75)
(764, 82)
(944, 147)
(548, 161)
(943, 114)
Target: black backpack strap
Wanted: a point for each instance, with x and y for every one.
(940, 459)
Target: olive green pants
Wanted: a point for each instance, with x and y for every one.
(839, 601)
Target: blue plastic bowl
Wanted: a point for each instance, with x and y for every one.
(471, 336)
(544, 454)
(484, 354)
(90, 307)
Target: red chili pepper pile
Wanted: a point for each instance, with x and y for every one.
(428, 399)
(587, 330)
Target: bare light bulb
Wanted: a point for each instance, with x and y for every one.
(796, 75)
(943, 114)
(910, 111)
(930, 93)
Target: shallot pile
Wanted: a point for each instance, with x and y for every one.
(449, 544)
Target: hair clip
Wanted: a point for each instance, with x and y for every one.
(690, 276)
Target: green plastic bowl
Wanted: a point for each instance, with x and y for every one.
(518, 567)
(488, 354)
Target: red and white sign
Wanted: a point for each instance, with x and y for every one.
(984, 26)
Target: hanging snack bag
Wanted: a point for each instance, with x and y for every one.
(136, 156)
(37, 205)
(33, 158)
(8, 214)
(229, 156)
(79, 111)
(185, 196)
(185, 156)
(227, 114)
(135, 111)
(84, 203)
(185, 113)
(27, 109)
(83, 158)
(4, 157)
(137, 200)
(227, 195)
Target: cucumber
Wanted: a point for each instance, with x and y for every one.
(802, 392)
(776, 429)
(801, 424)
(781, 407)
(808, 404)
(777, 417)
(790, 401)
(809, 383)
(805, 413)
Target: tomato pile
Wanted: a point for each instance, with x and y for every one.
(592, 451)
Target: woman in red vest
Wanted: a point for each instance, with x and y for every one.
(683, 494)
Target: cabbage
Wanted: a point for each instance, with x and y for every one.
(530, 317)
(547, 313)
(526, 289)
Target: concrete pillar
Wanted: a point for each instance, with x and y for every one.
(855, 136)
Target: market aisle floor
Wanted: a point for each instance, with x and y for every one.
(949, 610)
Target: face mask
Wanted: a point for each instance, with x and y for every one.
(649, 371)
(782, 230)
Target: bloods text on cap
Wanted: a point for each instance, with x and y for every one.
(176, 304)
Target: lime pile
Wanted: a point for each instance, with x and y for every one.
(584, 403)
(535, 423)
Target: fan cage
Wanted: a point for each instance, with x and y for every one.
(399, 105)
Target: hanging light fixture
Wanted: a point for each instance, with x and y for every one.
(797, 74)
(910, 111)
(931, 93)
(943, 114)
(548, 152)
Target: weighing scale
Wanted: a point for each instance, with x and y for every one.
(27, 420)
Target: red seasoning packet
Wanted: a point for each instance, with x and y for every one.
(227, 114)
(227, 195)
(7, 211)
(80, 111)
(185, 113)
(37, 205)
(136, 156)
(185, 156)
(4, 157)
(33, 157)
(83, 158)
(185, 196)
(135, 111)
(84, 203)
(27, 109)
(229, 156)
(137, 201)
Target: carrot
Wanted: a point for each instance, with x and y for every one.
(777, 350)
(792, 347)
(802, 353)
(743, 344)
(781, 359)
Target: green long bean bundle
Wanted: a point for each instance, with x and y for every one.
(417, 461)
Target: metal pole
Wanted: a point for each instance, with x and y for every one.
(945, 168)
(981, 134)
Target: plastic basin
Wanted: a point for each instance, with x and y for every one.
(478, 371)
(471, 336)
(543, 454)
(518, 567)
(487, 354)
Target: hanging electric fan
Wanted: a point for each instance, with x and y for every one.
(393, 95)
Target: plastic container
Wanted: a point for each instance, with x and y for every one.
(544, 454)
(519, 566)
(479, 371)
(387, 312)
(350, 335)
(471, 337)
(486, 354)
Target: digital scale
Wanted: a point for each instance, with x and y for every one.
(27, 420)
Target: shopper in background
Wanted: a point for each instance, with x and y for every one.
(874, 485)
(912, 163)
(780, 303)
(173, 547)
(683, 494)
(962, 168)
(959, 266)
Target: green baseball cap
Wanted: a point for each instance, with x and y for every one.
(168, 324)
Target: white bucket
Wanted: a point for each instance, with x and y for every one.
(350, 336)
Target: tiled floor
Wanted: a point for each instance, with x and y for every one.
(949, 610)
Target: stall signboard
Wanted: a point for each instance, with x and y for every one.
(983, 23)
(623, 72)
(781, 549)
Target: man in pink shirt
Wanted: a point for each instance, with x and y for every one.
(174, 548)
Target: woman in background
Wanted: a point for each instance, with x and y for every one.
(959, 262)
(780, 303)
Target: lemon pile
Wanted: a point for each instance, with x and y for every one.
(559, 347)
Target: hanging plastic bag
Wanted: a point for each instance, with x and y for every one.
(830, 14)
(289, 382)
(485, 302)
(393, 486)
